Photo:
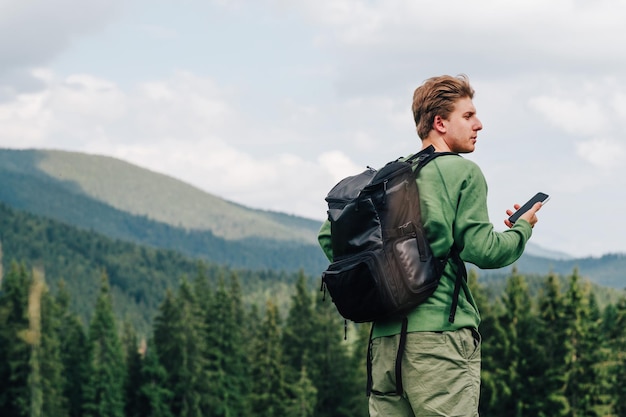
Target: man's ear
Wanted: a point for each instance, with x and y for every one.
(439, 125)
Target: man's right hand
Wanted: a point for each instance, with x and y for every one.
(530, 216)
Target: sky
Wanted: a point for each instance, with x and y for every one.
(269, 103)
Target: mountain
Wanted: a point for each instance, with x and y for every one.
(607, 270)
(123, 201)
(126, 202)
(541, 252)
(138, 191)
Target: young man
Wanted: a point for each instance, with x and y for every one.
(441, 361)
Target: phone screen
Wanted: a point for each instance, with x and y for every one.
(539, 197)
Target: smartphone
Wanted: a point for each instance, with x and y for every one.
(539, 197)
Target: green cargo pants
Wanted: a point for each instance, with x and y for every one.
(440, 375)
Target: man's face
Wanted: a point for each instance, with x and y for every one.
(462, 127)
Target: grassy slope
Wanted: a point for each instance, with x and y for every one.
(159, 197)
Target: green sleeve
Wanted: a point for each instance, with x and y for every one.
(323, 238)
(475, 235)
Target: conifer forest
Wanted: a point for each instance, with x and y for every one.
(553, 352)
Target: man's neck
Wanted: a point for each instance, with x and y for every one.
(437, 142)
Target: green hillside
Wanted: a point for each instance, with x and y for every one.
(141, 192)
(24, 186)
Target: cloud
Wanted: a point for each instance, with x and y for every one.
(69, 112)
(576, 118)
(34, 32)
(159, 32)
(338, 165)
(363, 22)
(603, 153)
(618, 103)
(394, 43)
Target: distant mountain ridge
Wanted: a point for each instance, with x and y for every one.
(541, 252)
(124, 201)
(139, 191)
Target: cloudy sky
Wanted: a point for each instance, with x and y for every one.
(269, 103)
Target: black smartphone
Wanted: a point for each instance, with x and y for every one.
(539, 197)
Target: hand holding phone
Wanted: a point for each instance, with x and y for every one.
(537, 198)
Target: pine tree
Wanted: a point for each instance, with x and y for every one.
(519, 355)
(268, 397)
(31, 376)
(168, 345)
(494, 391)
(551, 314)
(180, 340)
(334, 375)
(595, 357)
(532, 360)
(297, 332)
(576, 316)
(359, 402)
(15, 352)
(226, 355)
(587, 371)
(153, 396)
(104, 392)
(304, 397)
(494, 342)
(32, 336)
(53, 376)
(74, 353)
(618, 345)
(133, 362)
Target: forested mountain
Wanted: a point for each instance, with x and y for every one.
(608, 270)
(122, 201)
(138, 275)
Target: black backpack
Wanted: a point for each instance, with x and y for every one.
(382, 265)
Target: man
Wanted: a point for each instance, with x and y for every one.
(441, 361)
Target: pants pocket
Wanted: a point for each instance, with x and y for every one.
(469, 341)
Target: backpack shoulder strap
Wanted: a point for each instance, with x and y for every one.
(461, 275)
(425, 156)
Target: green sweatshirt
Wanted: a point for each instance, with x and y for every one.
(453, 200)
